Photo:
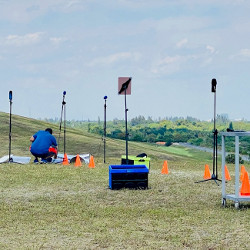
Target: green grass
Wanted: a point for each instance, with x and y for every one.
(178, 151)
(64, 207)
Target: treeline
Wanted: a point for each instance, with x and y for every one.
(174, 130)
(170, 130)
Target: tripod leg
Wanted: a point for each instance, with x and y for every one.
(216, 182)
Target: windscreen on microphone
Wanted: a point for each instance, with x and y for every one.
(64, 92)
(214, 83)
(105, 97)
(10, 95)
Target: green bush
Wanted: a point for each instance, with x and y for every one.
(231, 159)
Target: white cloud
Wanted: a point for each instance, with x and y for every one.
(168, 65)
(114, 58)
(58, 40)
(211, 49)
(170, 60)
(244, 54)
(207, 61)
(182, 43)
(72, 4)
(24, 40)
(25, 10)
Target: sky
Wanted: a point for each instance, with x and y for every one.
(172, 49)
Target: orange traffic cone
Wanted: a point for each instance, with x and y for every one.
(227, 175)
(245, 187)
(242, 172)
(78, 162)
(207, 174)
(65, 160)
(91, 162)
(165, 168)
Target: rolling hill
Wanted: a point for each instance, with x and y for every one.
(77, 140)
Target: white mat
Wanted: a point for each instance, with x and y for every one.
(15, 159)
(83, 157)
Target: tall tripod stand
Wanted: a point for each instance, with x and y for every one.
(10, 125)
(63, 113)
(214, 175)
(104, 130)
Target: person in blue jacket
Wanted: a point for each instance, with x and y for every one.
(43, 146)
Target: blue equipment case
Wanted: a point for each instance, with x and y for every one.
(128, 176)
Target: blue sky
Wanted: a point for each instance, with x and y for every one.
(172, 49)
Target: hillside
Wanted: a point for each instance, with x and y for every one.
(78, 140)
(49, 206)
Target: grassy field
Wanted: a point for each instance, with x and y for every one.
(64, 207)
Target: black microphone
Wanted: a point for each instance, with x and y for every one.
(64, 93)
(10, 95)
(214, 83)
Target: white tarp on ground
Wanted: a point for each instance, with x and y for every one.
(26, 160)
(15, 159)
(83, 157)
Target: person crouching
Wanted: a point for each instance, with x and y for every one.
(43, 146)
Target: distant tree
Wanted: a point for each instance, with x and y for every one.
(231, 159)
(150, 120)
(137, 137)
(151, 138)
(138, 120)
(231, 126)
(222, 118)
(115, 121)
(191, 119)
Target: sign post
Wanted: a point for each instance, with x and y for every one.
(124, 88)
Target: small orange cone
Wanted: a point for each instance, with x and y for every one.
(65, 160)
(207, 174)
(227, 175)
(242, 172)
(165, 168)
(91, 162)
(78, 162)
(245, 187)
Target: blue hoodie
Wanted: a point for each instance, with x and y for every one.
(42, 142)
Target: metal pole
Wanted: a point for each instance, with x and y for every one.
(60, 128)
(10, 125)
(223, 166)
(237, 159)
(64, 127)
(215, 133)
(216, 154)
(215, 141)
(104, 129)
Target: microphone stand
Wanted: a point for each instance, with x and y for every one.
(63, 112)
(215, 147)
(214, 175)
(10, 125)
(104, 130)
